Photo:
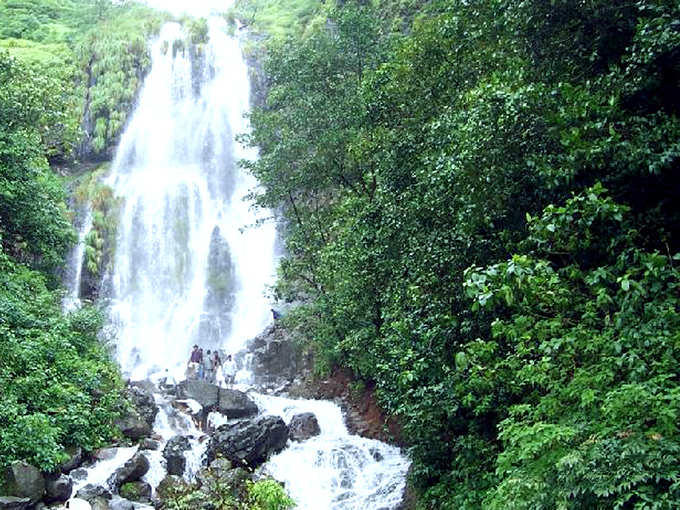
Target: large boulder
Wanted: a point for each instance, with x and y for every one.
(303, 426)
(136, 491)
(276, 359)
(235, 404)
(14, 503)
(90, 493)
(131, 471)
(76, 458)
(138, 422)
(248, 443)
(133, 426)
(24, 481)
(202, 392)
(174, 455)
(150, 444)
(141, 396)
(58, 487)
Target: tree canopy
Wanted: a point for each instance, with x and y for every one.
(479, 205)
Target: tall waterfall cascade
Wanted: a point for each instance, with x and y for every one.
(188, 267)
(191, 268)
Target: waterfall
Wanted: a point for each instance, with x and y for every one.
(188, 269)
(74, 264)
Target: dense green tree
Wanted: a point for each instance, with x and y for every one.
(529, 349)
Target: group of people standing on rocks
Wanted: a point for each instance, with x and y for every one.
(209, 367)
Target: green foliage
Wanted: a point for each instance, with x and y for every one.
(60, 388)
(100, 242)
(96, 53)
(479, 203)
(277, 18)
(34, 226)
(268, 495)
(216, 492)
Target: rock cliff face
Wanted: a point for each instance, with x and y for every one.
(277, 362)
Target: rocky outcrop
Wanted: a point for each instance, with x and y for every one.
(248, 443)
(221, 286)
(174, 455)
(202, 392)
(136, 491)
(58, 488)
(303, 426)
(276, 359)
(14, 503)
(23, 480)
(76, 458)
(91, 493)
(138, 423)
(131, 471)
(235, 404)
(141, 396)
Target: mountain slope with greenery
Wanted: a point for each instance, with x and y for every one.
(480, 212)
(60, 386)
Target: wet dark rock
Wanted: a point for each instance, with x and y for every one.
(14, 503)
(174, 455)
(248, 443)
(23, 480)
(276, 360)
(149, 444)
(375, 453)
(235, 404)
(303, 426)
(136, 491)
(131, 471)
(92, 492)
(138, 423)
(104, 453)
(202, 392)
(58, 488)
(78, 474)
(75, 460)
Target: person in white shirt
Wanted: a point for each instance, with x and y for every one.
(229, 370)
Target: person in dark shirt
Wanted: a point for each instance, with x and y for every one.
(275, 314)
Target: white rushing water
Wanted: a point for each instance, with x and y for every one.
(74, 265)
(188, 270)
(335, 470)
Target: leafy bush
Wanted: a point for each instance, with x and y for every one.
(60, 387)
(479, 213)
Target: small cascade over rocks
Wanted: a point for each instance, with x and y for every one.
(190, 269)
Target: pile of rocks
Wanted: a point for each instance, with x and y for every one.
(233, 452)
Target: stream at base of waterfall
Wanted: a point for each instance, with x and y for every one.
(193, 261)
